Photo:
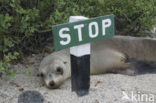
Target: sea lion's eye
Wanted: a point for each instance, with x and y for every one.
(59, 70)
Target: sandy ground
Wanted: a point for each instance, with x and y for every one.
(106, 88)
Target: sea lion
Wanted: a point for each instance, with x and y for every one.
(119, 54)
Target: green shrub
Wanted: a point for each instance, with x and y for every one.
(22, 22)
(132, 16)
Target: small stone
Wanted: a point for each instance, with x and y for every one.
(21, 89)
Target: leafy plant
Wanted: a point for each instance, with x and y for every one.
(5, 63)
(11, 74)
(28, 72)
(3, 95)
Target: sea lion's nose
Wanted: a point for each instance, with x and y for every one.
(52, 83)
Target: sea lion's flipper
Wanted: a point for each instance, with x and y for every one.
(138, 67)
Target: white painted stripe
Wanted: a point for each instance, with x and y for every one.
(79, 50)
(77, 18)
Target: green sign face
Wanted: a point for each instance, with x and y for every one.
(81, 32)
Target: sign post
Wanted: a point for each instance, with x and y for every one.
(80, 63)
(77, 34)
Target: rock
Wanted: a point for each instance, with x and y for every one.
(30, 97)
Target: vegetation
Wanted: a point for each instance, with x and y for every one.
(26, 24)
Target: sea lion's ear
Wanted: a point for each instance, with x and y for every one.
(65, 62)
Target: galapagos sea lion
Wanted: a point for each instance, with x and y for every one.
(119, 54)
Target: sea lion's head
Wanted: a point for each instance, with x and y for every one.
(55, 73)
